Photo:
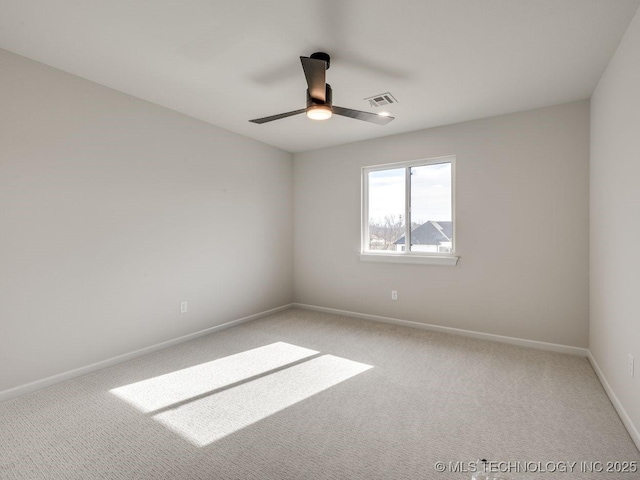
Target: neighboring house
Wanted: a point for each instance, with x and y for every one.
(431, 236)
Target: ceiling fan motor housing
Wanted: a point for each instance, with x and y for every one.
(328, 98)
(322, 56)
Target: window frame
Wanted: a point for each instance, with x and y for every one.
(407, 256)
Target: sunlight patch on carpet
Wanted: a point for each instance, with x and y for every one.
(165, 390)
(208, 419)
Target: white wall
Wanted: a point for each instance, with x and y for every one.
(615, 222)
(522, 228)
(113, 210)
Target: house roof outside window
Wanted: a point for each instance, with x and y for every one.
(429, 233)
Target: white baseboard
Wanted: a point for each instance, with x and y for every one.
(583, 352)
(78, 372)
(622, 413)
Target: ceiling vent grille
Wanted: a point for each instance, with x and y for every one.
(381, 100)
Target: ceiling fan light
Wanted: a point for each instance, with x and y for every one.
(319, 112)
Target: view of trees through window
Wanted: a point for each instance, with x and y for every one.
(429, 210)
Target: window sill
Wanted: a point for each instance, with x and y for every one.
(450, 260)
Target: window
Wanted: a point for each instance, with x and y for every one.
(408, 212)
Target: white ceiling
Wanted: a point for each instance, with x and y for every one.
(225, 61)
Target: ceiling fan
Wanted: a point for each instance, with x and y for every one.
(319, 96)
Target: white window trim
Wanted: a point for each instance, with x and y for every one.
(407, 256)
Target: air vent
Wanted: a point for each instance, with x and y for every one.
(381, 100)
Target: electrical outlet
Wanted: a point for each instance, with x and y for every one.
(183, 307)
(394, 294)
(630, 364)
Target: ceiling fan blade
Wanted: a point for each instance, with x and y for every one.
(277, 117)
(315, 72)
(359, 115)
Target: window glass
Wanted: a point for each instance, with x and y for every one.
(431, 219)
(386, 208)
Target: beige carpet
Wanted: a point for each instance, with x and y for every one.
(306, 395)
